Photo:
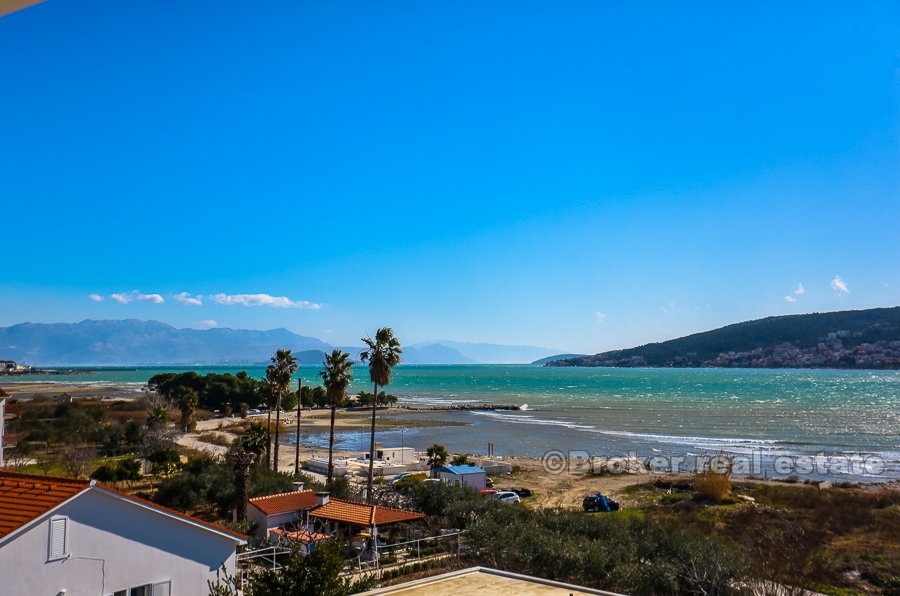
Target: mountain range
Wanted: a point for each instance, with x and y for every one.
(136, 342)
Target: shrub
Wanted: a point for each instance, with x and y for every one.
(714, 483)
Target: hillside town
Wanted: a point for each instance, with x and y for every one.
(825, 354)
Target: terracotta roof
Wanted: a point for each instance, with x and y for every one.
(285, 502)
(359, 514)
(24, 497)
(305, 536)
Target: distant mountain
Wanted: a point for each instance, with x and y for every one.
(867, 339)
(134, 342)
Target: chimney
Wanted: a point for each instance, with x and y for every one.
(297, 486)
(322, 498)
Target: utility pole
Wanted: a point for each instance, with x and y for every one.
(297, 447)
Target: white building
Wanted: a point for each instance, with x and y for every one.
(61, 536)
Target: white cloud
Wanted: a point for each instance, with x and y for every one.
(263, 300)
(600, 316)
(800, 289)
(790, 299)
(838, 285)
(185, 298)
(154, 298)
(126, 297)
(207, 324)
(96, 297)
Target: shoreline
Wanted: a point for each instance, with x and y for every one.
(468, 427)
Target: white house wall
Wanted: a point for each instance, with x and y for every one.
(114, 545)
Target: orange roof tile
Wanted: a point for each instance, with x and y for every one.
(301, 535)
(359, 514)
(24, 497)
(285, 502)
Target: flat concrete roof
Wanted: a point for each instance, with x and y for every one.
(484, 580)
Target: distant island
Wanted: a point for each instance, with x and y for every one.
(857, 339)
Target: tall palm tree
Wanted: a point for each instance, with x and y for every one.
(336, 375)
(382, 354)
(279, 375)
(437, 457)
(243, 454)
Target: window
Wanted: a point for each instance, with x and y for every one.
(57, 544)
(157, 589)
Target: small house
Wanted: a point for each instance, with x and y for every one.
(282, 510)
(69, 536)
(466, 475)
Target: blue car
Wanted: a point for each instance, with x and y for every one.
(599, 502)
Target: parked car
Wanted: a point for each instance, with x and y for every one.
(599, 502)
(506, 496)
(523, 493)
(407, 479)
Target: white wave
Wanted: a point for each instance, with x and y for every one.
(524, 419)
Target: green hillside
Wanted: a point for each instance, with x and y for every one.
(846, 339)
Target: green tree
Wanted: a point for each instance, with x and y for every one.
(382, 354)
(336, 374)
(279, 375)
(187, 400)
(437, 457)
(318, 574)
(460, 460)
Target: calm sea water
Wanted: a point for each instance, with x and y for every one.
(834, 419)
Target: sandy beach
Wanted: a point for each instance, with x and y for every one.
(553, 491)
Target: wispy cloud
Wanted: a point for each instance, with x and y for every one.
(838, 285)
(207, 324)
(800, 289)
(600, 316)
(185, 298)
(790, 298)
(126, 297)
(263, 300)
(671, 308)
(96, 297)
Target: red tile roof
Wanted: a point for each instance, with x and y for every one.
(305, 536)
(359, 514)
(24, 497)
(285, 502)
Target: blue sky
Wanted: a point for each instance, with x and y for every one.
(584, 176)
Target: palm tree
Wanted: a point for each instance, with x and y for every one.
(382, 354)
(336, 375)
(437, 457)
(279, 375)
(187, 400)
(243, 454)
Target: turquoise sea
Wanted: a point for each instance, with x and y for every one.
(838, 423)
